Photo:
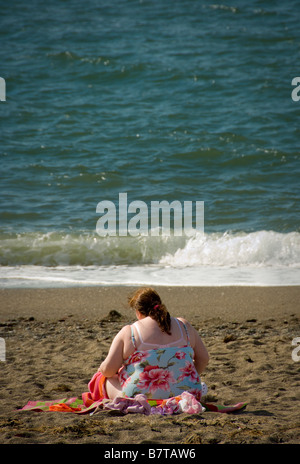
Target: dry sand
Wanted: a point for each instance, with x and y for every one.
(56, 338)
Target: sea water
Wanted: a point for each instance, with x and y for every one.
(187, 101)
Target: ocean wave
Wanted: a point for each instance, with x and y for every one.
(86, 249)
(256, 249)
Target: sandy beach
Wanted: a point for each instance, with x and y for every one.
(55, 340)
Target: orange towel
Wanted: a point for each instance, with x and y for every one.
(96, 389)
(63, 408)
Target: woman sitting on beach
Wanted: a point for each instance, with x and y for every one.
(159, 356)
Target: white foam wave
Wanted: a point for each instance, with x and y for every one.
(55, 260)
(257, 249)
(262, 248)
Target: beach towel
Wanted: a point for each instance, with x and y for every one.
(96, 399)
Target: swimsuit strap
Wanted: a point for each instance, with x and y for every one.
(132, 337)
(186, 331)
(138, 330)
(178, 323)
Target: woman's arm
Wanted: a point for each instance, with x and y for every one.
(201, 356)
(114, 359)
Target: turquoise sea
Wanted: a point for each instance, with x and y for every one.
(170, 100)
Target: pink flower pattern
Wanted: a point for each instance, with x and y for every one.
(154, 378)
(189, 371)
(138, 357)
(180, 355)
(161, 373)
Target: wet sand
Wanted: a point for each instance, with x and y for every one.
(55, 340)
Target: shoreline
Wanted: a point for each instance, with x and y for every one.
(228, 302)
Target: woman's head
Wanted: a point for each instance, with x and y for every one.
(148, 303)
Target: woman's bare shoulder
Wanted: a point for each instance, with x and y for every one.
(185, 321)
(191, 330)
(124, 332)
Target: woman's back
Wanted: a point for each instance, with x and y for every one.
(159, 370)
(148, 335)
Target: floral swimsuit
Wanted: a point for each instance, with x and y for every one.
(162, 372)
